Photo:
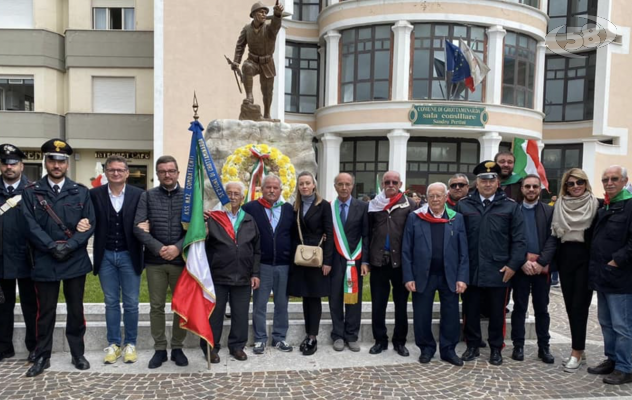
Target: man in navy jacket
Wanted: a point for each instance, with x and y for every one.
(435, 258)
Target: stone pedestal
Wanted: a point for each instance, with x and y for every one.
(250, 112)
(223, 136)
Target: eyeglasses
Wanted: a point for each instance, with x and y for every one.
(579, 182)
(459, 185)
(233, 195)
(391, 183)
(435, 196)
(116, 171)
(531, 186)
(168, 172)
(613, 179)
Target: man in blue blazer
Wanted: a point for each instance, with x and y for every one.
(435, 258)
(118, 257)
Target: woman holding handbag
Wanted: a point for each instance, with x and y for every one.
(309, 277)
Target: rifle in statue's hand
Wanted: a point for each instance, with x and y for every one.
(236, 71)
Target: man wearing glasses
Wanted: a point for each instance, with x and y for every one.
(533, 277)
(610, 272)
(387, 218)
(459, 186)
(118, 257)
(158, 226)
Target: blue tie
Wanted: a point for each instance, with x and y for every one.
(343, 214)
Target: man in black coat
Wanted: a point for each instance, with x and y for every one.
(118, 257)
(497, 249)
(352, 221)
(533, 276)
(510, 183)
(60, 252)
(14, 263)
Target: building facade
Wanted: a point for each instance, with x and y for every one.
(81, 70)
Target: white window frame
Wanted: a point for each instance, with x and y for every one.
(124, 10)
(21, 79)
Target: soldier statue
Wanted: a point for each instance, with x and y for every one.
(260, 38)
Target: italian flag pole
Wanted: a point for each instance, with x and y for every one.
(528, 160)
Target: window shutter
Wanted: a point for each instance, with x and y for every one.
(113, 95)
(16, 14)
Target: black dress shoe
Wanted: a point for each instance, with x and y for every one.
(310, 347)
(401, 350)
(80, 363)
(180, 359)
(483, 344)
(31, 358)
(545, 355)
(6, 354)
(38, 367)
(378, 348)
(214, 357)
(303, 344)
(470, 354)
(157, 359)
(618, 378)
(453, 359)
(517, 353)
(606, 367)
(495, 358)
(238, 354)
(424, 358)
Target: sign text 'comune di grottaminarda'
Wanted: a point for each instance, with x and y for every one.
(448, 115)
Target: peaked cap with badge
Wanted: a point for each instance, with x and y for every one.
(487, 170)
(10, 154)
(56, 149)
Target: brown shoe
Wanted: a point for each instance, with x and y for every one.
(239, 354)
(214, 357)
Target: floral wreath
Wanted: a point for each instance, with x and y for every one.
(250, 163)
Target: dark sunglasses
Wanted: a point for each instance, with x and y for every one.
(391, 183)
(614, 179)
(579, 182)
(531, 186)
(458, 185)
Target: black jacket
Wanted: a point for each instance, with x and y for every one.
(14, 262)
(163, 209)
(495, 237)
(231, 263)
(513, 191)
(72, 204)
(612, 240)
(547, 242)
(276, 246)
(101, 201)
(310, 281)
(391, 223)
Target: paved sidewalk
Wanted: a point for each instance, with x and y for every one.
(326, 375)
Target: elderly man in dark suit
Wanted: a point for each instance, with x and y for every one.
(435, 258)
(350, 263)
(118, 257)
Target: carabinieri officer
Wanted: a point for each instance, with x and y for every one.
(53, 206)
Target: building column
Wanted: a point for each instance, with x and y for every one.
(397, 145)
(401, 59)
(331, 74)
(277, 110)
(321, 75)
(332, 2)
(540, 72)
(490, 142)
(495, 50)
(330, 164)
(544, 6)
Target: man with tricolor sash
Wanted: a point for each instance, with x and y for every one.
(435, 259)
(387, 217)
(350, 264)
(233, 252)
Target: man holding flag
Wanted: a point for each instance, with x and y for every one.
(350, 263)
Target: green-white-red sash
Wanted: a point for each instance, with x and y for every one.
(351, 281)
(222, 218)
(257, 173)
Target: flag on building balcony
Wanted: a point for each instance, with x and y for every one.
(464, 65)
(194, 295)
(528, 162)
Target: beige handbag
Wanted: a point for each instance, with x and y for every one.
(308, 256)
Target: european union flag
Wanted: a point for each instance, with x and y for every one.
(456, 63)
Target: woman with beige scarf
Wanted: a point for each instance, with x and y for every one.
(574, 211)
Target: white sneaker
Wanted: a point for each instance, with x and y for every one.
(565, 361)
(573, 364)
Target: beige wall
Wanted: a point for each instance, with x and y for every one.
(194, 48)
(48, 90)
(80, 88)
(144, 15)
(79, 14)
(84, 169)
(49, 15)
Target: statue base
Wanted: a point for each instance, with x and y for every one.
(250, 112)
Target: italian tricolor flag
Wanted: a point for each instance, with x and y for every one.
(528, 160)
(194, 295)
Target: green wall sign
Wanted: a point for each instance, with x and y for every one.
(448, 115)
